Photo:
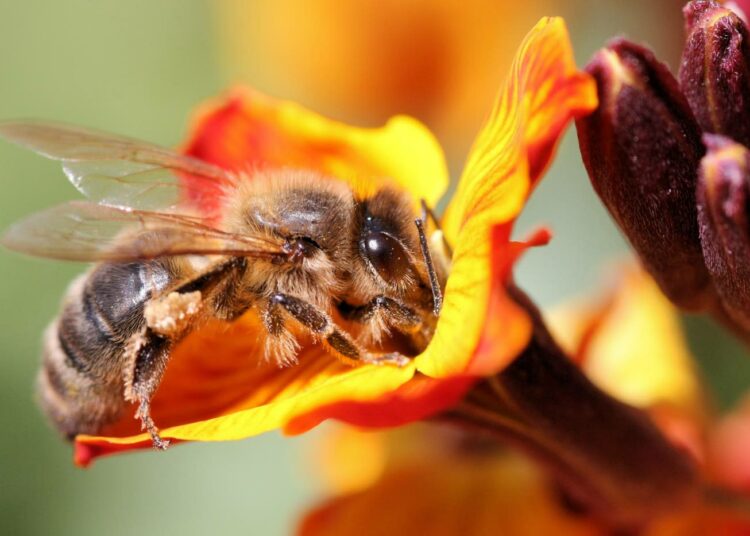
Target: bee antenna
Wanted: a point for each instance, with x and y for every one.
(437, 294)
(427, 212)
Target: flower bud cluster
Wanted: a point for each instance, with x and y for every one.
(668, 157)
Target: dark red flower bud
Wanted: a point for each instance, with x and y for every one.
(714, 72)
(695, 9)
(642, 148)
(723, 196)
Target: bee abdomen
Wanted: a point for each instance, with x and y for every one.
(73, 400)
(81, 381)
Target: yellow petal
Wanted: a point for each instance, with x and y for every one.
(543, 94)
(246, 130)
(631, 345)
(216, 389)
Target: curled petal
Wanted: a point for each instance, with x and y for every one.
(418, 399)
(543, 93)
(215, 389)
(503, 327)
(507, 327)
(246, 131)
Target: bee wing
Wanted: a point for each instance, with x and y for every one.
(89, 232)
(115, 170)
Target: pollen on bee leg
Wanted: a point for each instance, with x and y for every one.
(145, 353)
(170, 316)
(130, 354)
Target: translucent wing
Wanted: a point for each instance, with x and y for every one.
(118, 171)
(89, 232)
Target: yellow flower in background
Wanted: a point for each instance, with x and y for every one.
(629, 342)
(438, 481)
(436, 60)
(433, 482)
(214, 389)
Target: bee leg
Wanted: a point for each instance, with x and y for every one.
(382, 313)
(337, 341)
(280, 344)
(399, 316)
(149, 361)
(168, 318)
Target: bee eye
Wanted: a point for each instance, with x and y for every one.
(386, 254)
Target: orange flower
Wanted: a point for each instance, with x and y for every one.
(214, 387)
(435, 481)
(476, 492)
(421, 488)
(433, 59)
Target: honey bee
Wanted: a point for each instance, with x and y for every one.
(302, 251)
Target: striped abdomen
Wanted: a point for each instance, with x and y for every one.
(81, 381)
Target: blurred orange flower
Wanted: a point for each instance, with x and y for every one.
(432, 483)
(630, 343)
(436, 60)
(436, 481)
(215, 389)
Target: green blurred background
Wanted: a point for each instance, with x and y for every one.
(139, 68)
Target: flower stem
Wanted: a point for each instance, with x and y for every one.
(607, 456)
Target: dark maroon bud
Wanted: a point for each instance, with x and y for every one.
(714, 71)
(723, 194)
(642, 148)
(694, 10)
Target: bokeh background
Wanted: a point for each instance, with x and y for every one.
(139, 68)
